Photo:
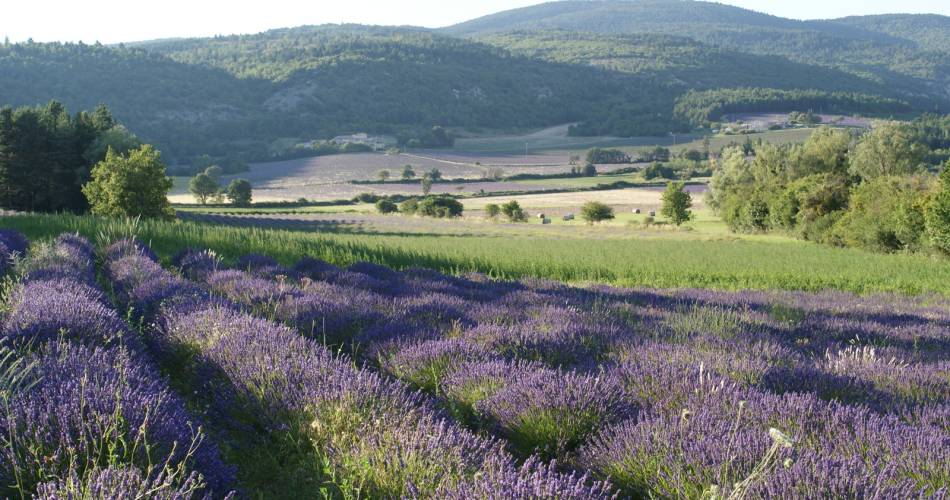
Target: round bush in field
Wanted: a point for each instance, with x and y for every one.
(409, 207)
(514, 212)
(385, 206)
(440, 206)
(595, 211)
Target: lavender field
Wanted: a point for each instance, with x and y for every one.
(122, 377)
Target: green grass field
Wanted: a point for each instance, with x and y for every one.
(325, 209)
(657, 262)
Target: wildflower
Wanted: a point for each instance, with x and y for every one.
(781, 438)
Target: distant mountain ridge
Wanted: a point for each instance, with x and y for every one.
(928, 31)
(615, 67)
(907, 52)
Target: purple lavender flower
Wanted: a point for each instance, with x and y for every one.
(44, 310)
(68, 256)
(143, 284)
(93, 405)
(425, 364)
(14, 241)
(315, 269)
(473, 382)
(328, 312)
(534, 480)
(339, 408)
(248, 290)
(121, 482)
(858, 384)
(262, 266)
(127, 247)
(552, 413)
(377, 271)
(196, 265)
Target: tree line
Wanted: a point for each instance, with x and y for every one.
(871, 190)
(51, 161)
(252, 98)
(699, 108)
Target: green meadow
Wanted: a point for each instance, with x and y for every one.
(677, 261)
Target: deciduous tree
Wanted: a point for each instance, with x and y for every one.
(937, 215)
(240, 192)
(203, 187)
(889, 149)
(132, 185)
(677, 203)
(595, 211)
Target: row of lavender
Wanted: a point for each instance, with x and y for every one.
(86, 413)
(664, 393)
(368, 436)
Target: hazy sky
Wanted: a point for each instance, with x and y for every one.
(111, 21)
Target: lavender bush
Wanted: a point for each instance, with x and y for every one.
(370, 436)
(90, 400)
(532, 389)
(100, 407)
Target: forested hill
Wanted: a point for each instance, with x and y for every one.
(929, 32)
(619, 68)
(242, 94)
(679, 61)
(622, 16)
(903, 52)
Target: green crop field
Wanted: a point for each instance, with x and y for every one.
(720, 263)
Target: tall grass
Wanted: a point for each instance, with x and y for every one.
(664, 263)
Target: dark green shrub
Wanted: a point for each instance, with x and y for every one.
(353, 147)
(367, 198)
(514, 212)
(747, 213)
(440, 207)
(821, 229)
(657, 170)
(492, 210)
(819, 195)
(386, 206)
(607, 156)
(784, 209)
(595, 211)
(938, 214)
(885, 214)
(409, 207)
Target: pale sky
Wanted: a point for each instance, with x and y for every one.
(113, 21)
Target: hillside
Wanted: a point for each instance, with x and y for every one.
(678, 61)
(239, 94)
(929, 32)
(899, 52)
(616, 67)
(621, 16)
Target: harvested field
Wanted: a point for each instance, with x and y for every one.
(648, 198)
(329, 177)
